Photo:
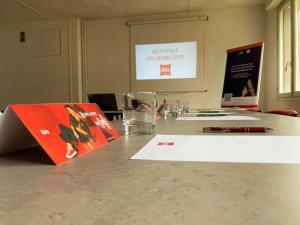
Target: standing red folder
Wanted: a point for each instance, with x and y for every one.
(64, 131)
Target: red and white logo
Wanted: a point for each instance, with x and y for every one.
(165, 143)
(45, 132)
(165, 69)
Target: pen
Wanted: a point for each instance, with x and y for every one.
(236, 129)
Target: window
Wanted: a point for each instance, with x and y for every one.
(297, 21)
(285, 47)
(289, 79)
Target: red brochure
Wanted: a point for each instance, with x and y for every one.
(64, 131)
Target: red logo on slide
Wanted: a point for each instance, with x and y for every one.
(165, 70)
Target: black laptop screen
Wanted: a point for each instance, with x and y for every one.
(106, 102)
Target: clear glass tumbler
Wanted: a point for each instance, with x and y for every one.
(139, 111)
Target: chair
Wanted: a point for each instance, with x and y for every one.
(286, 112)
(247, 108)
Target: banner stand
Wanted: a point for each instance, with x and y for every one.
(242, 76)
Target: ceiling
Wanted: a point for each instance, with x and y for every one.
(27, 10)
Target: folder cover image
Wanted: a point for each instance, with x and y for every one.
(64, 131)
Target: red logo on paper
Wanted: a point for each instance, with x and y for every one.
(165, 143)
(165, 70)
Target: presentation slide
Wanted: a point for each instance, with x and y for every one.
(166, 61)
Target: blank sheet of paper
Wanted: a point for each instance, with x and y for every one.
(217, 118)
(215, 148)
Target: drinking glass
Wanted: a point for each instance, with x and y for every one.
(139, 110)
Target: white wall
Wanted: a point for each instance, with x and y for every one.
(108, 56)
(272, 4)
(108, 52)
(27, 77)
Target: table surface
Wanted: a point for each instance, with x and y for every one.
(106, 187)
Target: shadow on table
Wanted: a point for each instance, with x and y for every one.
(34, 155)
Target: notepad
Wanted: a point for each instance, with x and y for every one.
(215, 148)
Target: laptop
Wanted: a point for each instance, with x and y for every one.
(106, 102)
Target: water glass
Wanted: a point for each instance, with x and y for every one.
(139, 110)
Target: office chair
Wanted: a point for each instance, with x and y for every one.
(285, 112)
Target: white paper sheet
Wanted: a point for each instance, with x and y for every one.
(194, 114)
(215, 148)
(217, 118)
(206, 110)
